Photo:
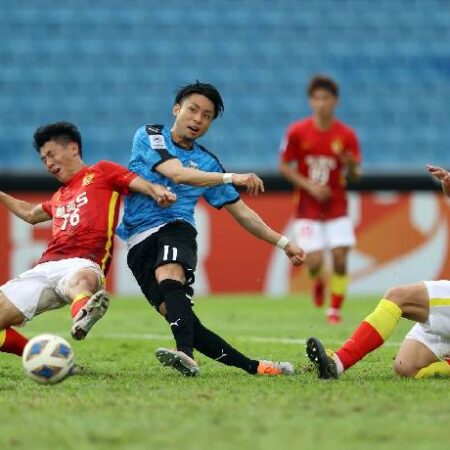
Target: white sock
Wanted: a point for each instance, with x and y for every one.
(333, 312)
(339, 365)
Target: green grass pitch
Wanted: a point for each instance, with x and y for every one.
(125, 400)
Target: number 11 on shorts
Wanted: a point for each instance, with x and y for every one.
(166, 253)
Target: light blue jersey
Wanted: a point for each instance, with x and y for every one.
(153, 145)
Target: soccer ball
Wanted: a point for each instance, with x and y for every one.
(47, 359)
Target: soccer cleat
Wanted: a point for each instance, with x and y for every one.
(178, 360)
(334, 319)
(319, 293)
(321, 359)
(89, 314)
(275, 368)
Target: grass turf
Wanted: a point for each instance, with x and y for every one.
(125, 400)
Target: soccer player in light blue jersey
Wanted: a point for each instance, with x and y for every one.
(162, 242)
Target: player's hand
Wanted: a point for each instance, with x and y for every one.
(251, 181)
(319, 192)
(162, 196)
(439, 173)
(295, 253)
(442, 175)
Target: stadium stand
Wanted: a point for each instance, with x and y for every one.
(111, 66)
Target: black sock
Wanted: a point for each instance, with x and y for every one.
(214, 347)
(179, 315)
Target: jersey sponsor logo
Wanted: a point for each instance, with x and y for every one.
(88, 178)
(319, 168)
(70, 212)
(337, 146)
(192, 165)
(157, 142)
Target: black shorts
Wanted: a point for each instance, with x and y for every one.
(174, 243)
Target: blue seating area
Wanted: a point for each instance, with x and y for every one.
(111, 66)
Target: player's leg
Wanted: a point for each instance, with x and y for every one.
(309, 234)
(414, 358)
(81, 284)
(216, 348)
(20, 300)
(340, 238)
(175, 264)
(314, 262)
(410, 301)
(141, 260)
(338, 283)
(11, 341)
(161, 264)
(425, 352)
(171, 279)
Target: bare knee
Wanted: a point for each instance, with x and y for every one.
(85, 280)
(404, 368)
(9, 314)
(170, 271)
(314, 262)
(411, 357)
(340, 260)
(396, 294)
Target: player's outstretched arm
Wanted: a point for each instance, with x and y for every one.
(174, 170)
(162, 196)
(26, 211)
(252, 222)
(442, 175)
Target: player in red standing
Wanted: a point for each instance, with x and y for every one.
(325, 151)
(84, 210)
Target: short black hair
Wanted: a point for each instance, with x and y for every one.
(62, 132)
(208, 90)
(322, 82)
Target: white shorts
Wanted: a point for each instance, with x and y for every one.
(44, 286)
(435, 332)
(316, 235)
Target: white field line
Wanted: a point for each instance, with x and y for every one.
(258, 339)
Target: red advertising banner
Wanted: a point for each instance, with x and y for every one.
(402, 237)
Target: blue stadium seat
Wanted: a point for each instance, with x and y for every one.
(111, 67)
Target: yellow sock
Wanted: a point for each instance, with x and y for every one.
(338, 284)
(436, 369)
(78, 302)
(80, 296)
(385, 318)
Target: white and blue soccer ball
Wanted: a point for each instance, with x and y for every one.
(47, 359)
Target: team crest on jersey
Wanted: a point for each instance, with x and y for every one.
(88, 178)
(157, 142)
(337, 146)
(192, 165)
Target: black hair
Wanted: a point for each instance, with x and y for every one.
(208, 90)
(322, 82)
(62, 132)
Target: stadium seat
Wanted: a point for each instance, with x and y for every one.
(111, 68)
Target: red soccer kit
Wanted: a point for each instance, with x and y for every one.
(85, 213)
(319, 157)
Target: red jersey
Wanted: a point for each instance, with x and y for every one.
(319, 157)
(85, 213)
